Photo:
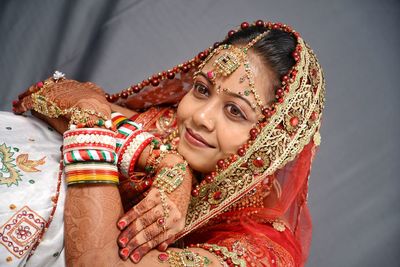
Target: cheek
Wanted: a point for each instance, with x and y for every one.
(231, 137)
(184, 110)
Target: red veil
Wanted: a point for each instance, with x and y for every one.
(267, 221)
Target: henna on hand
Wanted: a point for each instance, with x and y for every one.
(144, 248)
(181, 196)
(146, 229)
(140, 224)
(151, 200)
(152, 235)
(67, 94)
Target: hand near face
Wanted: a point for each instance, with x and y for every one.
(65, 94)
(145, 226)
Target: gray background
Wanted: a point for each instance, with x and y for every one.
(354, 187)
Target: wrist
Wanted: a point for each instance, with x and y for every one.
(170, 159)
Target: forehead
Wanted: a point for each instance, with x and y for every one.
(238, 82)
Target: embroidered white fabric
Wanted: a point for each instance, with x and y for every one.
(29, 164)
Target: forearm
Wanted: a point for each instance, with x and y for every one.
(91, 213)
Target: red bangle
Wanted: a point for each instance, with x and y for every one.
(137, 154)
(123, 134)
(94, 138)
(130, 151)
(85, 155)
(125, 145)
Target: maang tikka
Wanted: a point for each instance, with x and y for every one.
(231, 59)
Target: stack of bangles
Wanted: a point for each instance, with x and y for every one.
(89, 156)
(131, 141)
(94, 155)
(98, 155)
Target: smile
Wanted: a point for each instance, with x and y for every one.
(196, 139)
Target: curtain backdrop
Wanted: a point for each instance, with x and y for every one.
(354, 186)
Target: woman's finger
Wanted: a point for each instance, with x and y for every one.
(32, 89)
(151, 200)
(152, 235)
(27, 103)
(18, 106)
(141, 223)
(21, 106)
(164, 245)
(143, 249)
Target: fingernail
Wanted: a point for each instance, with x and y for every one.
(135, 257)
(125, 252)
(14, 102)
(164, 246)
(121, 224)
(123, 241)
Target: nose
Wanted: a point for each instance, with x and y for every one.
(204, 117)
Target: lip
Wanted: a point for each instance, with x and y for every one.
(196, 139)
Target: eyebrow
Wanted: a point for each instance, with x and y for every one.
(228, 92)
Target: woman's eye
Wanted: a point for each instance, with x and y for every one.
(201, 89)
(235, 111)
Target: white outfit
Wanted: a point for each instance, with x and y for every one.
(29, 164)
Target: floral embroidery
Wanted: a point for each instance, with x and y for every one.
(28, 165)
(21, 231)
(9, 174)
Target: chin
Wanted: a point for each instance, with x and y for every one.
(195, 161)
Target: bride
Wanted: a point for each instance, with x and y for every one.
(210, 158)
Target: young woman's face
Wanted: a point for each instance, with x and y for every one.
(213, 125)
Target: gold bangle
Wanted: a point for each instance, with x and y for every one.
(90, 179)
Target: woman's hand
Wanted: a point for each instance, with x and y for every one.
(65, 94)
(145, 226)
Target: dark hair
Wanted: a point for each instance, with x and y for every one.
(275, 49)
